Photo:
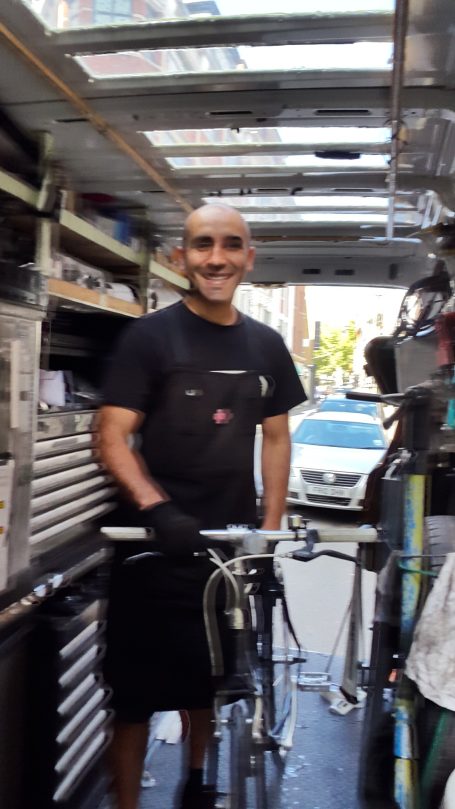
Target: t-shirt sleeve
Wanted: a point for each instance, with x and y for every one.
(289, 391)
(133, 371)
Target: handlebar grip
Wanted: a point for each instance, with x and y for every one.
(336, 534)
(361, 396)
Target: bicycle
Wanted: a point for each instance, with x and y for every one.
(246, 705)
(394, 713)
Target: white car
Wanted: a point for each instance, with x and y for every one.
(332, 456)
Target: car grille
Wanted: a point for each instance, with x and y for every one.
(322, 498)
(341, 478)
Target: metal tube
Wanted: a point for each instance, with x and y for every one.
(399, 36)
(414, 506)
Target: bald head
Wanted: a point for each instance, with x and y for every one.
(216, 212)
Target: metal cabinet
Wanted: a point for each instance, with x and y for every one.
(69, 714)
(19, 352)
(70, 488)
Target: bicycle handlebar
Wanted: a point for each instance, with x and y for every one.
(239, 535)
(388, 398)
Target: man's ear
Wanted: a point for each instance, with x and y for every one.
(177, 256)
(251, 255)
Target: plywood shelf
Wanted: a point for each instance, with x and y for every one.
(91, 299)
(83, 240)
(17, 188)
(171, 277)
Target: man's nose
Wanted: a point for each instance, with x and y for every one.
(217, 256)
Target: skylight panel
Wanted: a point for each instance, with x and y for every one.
(297, 202)
(333, 218)
(357, 56)
(274, 161)
(343, 135)
(81, 14)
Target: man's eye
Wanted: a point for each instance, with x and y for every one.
(234, 244)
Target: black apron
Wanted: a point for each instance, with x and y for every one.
(198, 443)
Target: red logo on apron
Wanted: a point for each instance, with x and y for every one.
(222, 416)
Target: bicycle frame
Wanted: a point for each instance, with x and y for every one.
(415, 406)
(406, 787)
(251, 712)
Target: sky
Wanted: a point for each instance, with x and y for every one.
(338, 305)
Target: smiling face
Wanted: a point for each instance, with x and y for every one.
(217, 254)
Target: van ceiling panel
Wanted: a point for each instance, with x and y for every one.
(241, 100)
(260, 30)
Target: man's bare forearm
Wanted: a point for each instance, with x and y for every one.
(127, 467)
(276, 454)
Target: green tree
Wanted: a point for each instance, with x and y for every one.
(336, 350)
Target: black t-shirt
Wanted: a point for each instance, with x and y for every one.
(146, 353)
(206, 467)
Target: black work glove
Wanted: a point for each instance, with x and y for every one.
(177, 534)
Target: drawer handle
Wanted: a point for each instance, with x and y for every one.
(90, 656)
(78, 744)
(74, 644)
(70, 726)
(97, 746)
(75, 695)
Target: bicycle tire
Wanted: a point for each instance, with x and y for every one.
(239, 754)
(247, 789)
(376, 771)
(436, 725)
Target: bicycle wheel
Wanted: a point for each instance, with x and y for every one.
(376, 765)
(239, 761)
(247, 786)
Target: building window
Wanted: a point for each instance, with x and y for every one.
(111, 11)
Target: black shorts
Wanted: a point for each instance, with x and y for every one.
(157, 656)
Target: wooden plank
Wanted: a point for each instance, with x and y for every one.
(171, 277)
(83, 240)
(16, 188)
(91, 298)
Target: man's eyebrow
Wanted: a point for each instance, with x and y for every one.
(202, 237)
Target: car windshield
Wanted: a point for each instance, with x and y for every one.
(347, 434)
(349, 406)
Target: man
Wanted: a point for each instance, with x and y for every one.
(192, 381)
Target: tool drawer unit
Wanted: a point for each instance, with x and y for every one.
(70, 718)
(69, 485)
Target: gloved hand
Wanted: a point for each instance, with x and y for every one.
(177, 534)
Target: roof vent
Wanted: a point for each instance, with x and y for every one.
(311, 271)
(220, 113)
(353, 190)
(337, 154)
(344, 272)
(71, 120)
(341, 113)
